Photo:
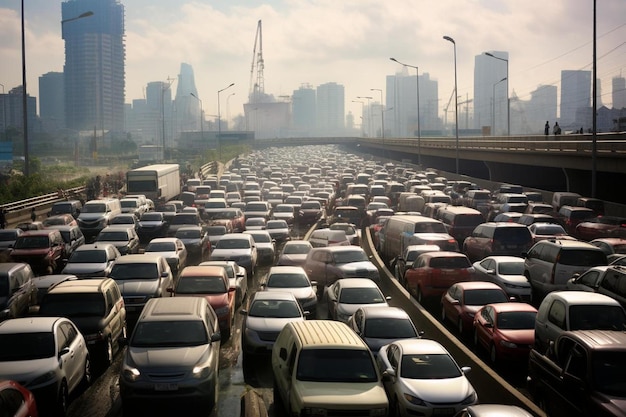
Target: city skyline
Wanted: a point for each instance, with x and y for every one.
(352, 47)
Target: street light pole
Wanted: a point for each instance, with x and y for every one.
(369, 116)
(201, 118)
(219, 122)
(508, 100)
(362, 114)
(456, 104)
(4, 111)
(382, 114)
(493, 106)
(417, 98)
(228, 110)
(24, 101)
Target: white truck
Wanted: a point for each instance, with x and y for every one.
(160, 183)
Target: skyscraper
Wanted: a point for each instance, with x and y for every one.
(94, 64)
(51, 100)
(304, 110)
(575, 97)
(330, 108)
(187, 106)
(401, 99)
(490, 93)
(619, 92)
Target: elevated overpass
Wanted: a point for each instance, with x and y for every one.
(556, 163)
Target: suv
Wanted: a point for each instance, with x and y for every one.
(44, 250)
(173, 354)
(581, 375)
(96, 307)
(323, 365)
(17, 290)
(607, 280)
(550, 263)
(72, 207)
(497, 238)
(96, 215)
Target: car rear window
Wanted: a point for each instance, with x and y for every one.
(450, 262)
(582, 257)
(597, 317)
(512, 234)
(336, 365)
(468, 220)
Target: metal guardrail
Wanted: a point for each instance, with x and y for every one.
(19, 211)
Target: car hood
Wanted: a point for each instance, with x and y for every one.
(519, 337)
(84, 268)
(226, 253)
(130, 287)
(88, 217)
(25, 371)
(342, 394)
(269, 324)
(448, 390)
(147, 223)
(295, 259)
(357, 266)
(519, 280)
(166, 358)
(166, 255)
(299, 293)
(350, 309)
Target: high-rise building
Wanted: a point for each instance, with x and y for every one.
(52, 101)
(619, 92)
(94, 64)
(12, 110)
(575, 97)
(187, 106)
(304, 111)
(491, 92)
(331, 112)
(541, 108)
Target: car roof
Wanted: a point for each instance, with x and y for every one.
(28, 325)
(286, 269)
(165, 240)
(504, 258)
(138, 258)
(273, 295)
(478, 285)
(384, 312)
(202, 270)
(93, 246)
(420, 346)
(601, 339)
(356, 283)
(582, 298)
(512, 306)
(85, 286)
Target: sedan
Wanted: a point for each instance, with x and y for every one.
(423, 379)
(507, 272)
(543, 231)
(352, 233)
(60, 220)
(196, 242)
(613, 247)
(172, 249)
(92, 260)
(506, 330)
(347, 295)
(379, 326)
(278, 230)
(265, 246)
(294, 253)
(152, 224)
(294, 280)
(125, 220)
(237, 278)
(125, 239)
(461, 302)
(266, 315)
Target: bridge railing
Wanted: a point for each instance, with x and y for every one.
(20, 210)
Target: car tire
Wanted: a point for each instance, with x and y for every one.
(443, 314)
(86, 381)
(493, 354)
(420, 296)
(460, 327)
(107, 354)
(62, 400)
(476, 342)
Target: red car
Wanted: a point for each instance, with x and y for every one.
(506, 330)
(601, 226)
(462, 300)
(16, 400)
(434, 272)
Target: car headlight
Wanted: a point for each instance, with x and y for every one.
(131, 374)
(508, 344)
(414, 400)
(471, 399)
(48, 376)
(201, 371)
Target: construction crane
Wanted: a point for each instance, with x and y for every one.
(466, 102)
(257, 88)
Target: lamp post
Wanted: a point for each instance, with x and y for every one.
(382, 114)
(493, 106)
(417, 99)
(4, 111)
(24, 100)
(508, 100)
(201, 118)
(80, 16)
(369, 116)
(362, 105)
(456, 104)
(219, 122)
(228, 109)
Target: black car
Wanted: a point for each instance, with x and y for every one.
(152, 224)
(310, 212)
(183, 220)
(196, 242)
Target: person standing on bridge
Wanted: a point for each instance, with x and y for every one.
(556, 129)
(546, 128)
(3, 218)
(33, 214)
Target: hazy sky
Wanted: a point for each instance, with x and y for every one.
(345, 41)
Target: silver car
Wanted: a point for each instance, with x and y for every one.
(172, 249)
(237, 247)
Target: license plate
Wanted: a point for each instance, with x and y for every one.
(443, 411)
(165, 387)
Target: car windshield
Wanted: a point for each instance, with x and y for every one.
(296, 249)
(261, 237)
(429, 227)
(161, 247)
(169, 334)
(94, 208)
(232, 244)
(597, 317)
(256, 207)
(122, 220)
(387, 328)
(54, 221)
(188, 234)
(550, 230)
(423, 366)
(336, 365)
(185, 219)
(344, 257)
(288, 281)
(450, 262)
(482, 297)
(26, 346)
(72, 305)
(283, 209)
(32, 242)
(129, 203)
(135, 271)
(152, 217)
(112, 236)
(511, 268)
(608, 370)
(361, 296)
(201, 285)
(516, 320)
(349, 229)
(274, 309)
(277, 225)
(311, 205)
(88, 256)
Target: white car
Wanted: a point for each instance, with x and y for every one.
(172, 249)
(423, 379)
(507, 272)
(347, 295)
(294, 280)
(237, 278)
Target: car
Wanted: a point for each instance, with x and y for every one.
(278, 230)
(378, 326)
(232, 218)
(505, 330)
(613, 247)
(16, 400)
(125, 220)
(528, 218)
(400, 264)
(601, 226)
(236, 247)
(60, 220)
(325, 237)
(8, 238)
(172, 249)
(72, 236)
(294, 253)
(152, 224)
(209, 282)
(608, 280)
(293, 279)
(92, 260)
(196, 241)
(97, 309)
(43, 250)
(497, 238)
(173, 354)
(255, 223)
(48, 355)
(237, 277)
(264, 317)
(125, 239)
(492, 410)
(346, 295)
(433, 273)
(132, 206)
(257, 209)
(309, 212)
(265, 246)
(181, 220)
(507, 272)
(352, 232)
(18, 292)
(544, 231)
(461, 301)
(286, 212)
(571, 216)
(72, 207)
(424, 379)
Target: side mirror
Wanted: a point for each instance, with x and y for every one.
(243, 312)
(216, 337)
(466, 369)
